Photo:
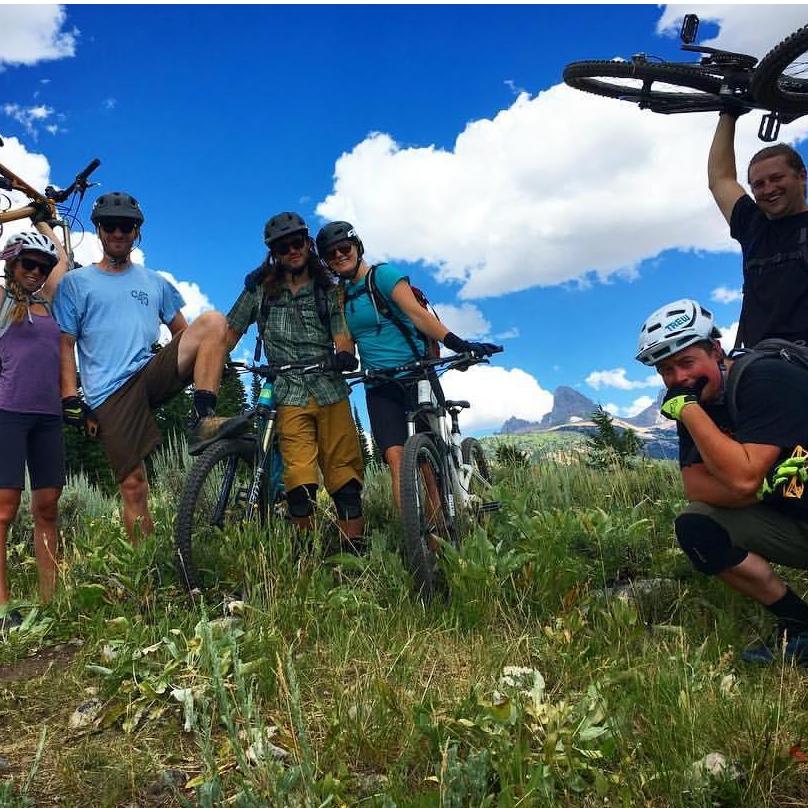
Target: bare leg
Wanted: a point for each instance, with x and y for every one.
(755, 578)
(9, 503)
(203, 348)
(135, 494)
(45, 509)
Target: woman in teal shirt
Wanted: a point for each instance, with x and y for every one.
(381, 342)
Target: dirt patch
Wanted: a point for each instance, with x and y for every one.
(37, 665)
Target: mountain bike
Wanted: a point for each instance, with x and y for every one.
(63, 216)
(720, 79)
(444, 477)
(235, 480)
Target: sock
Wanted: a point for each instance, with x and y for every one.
(791, 612)
(204, 403)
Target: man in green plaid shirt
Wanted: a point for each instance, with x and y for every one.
(294, 299)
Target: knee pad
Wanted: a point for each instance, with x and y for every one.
(707, 544)
(348, 500)
(300, 501)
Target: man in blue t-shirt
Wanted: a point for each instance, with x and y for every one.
(772, 231)
(110, 314)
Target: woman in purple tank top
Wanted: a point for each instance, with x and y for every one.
(30, 404)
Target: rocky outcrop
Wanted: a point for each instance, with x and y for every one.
(567, 404)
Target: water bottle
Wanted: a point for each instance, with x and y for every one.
(266, 398)
(424, 392)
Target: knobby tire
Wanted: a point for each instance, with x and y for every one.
(193, 531)
(419, 522)
(776, 89)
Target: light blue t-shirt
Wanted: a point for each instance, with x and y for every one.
(380, 343)
(115, 318)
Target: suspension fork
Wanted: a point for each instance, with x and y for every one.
(262, 462)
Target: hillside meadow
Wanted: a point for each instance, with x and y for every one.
(579, 661)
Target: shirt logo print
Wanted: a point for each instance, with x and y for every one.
(141, 297)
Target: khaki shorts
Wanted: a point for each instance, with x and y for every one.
(128, 429)
(323, 436)
(770, 533)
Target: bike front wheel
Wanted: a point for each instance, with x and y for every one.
(213, 504)
(660, 86)
(425, 515)
(780, 81)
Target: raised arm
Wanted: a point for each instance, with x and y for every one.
(58, 272)
(721, 172)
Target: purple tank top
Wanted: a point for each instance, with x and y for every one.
(29, 367)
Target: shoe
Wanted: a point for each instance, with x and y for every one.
(12, 619)
(795, 651)
(203, 430)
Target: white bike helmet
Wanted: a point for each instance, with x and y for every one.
(673, 328)
(30, 241)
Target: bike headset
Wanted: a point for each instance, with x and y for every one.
(118, 205)
(335, 232)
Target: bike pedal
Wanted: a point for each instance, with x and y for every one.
(769, 127)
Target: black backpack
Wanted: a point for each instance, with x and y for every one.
(425, 346)
(794, 352)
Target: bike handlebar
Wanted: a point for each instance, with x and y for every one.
(79, 183)
(461, 361)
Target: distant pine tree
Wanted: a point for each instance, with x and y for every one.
(255, 389)
(232, 399)
(367, 454)
(621, 444)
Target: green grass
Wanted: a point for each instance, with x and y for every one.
(333, 686)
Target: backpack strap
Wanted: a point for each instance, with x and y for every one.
(383, 307)
(740, 363)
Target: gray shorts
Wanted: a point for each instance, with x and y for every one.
(778, 537)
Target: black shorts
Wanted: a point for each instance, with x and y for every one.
(36, 440)
(388, 405)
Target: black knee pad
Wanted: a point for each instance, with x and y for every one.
(348, 500)
(707, 544)
(300, 501)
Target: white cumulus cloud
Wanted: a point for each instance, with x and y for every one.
(465, 320)
(617, 378)
(557, 187)
(496, 394)
(34, 33)
(728, 334)
(725, 295)
(30, 118)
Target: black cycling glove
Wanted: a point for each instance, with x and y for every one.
(75, 412)
(342, 361)
(458, 345)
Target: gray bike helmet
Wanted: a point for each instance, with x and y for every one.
(335, 232)
(283, 224)
(116, 205)
(673, 328)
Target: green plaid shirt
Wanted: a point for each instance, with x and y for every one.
(293, 332)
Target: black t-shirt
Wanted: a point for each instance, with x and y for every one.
(772, 400)
(775, 273)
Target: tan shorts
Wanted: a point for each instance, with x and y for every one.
(323, 436)
(128, 429)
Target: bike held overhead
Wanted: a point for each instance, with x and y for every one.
(744, 474)
(294, 301)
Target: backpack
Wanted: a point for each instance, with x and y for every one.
(794, 352)
(320, 304)
(429, 347)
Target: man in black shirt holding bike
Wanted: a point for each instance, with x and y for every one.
(772, 231)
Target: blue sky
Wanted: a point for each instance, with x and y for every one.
(528, 212)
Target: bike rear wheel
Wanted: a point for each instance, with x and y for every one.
(472, 451)
(662, 87)
(780, 81)
(213, 503)
(425, 514)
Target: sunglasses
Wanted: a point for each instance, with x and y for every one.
(285, 246)
(343, 248)
(29, 265)
(109, 226)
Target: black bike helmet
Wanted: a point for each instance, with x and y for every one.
(333, 233)
(116, 205)
(283, 224)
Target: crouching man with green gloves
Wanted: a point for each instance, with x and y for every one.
(744, 475)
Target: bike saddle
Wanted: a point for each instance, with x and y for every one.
(457, 405)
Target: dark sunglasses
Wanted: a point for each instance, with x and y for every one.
(285, 246)
(109, 226)
(29, 265)
(343, 248)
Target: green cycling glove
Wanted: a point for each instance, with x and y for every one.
(783, 473)
(679, 396)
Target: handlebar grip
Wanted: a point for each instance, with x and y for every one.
(82, 176)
